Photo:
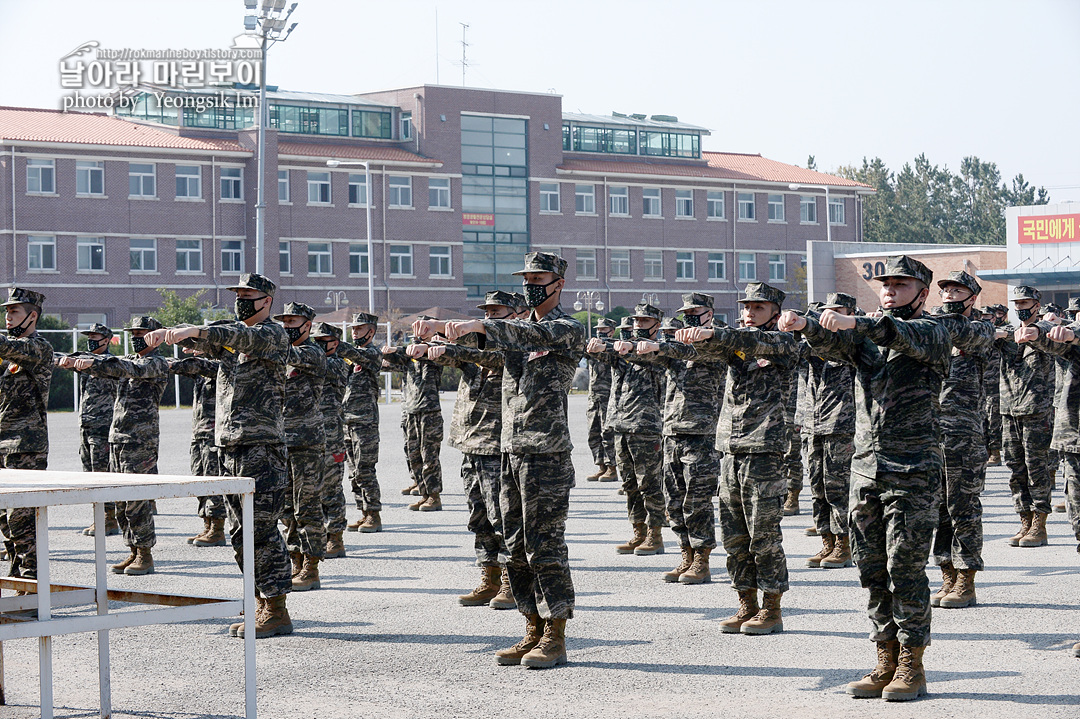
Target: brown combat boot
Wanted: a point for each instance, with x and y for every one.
(828, 539)
(610, 474)
(963, 591)
(748, 607)
(111, 525)
(297, 562)
(1025, 527)
(415, 506)
(431, 503)
(791, 506)
(485, 591)
(1036, 536)
(1060, 507)
(698, 573)
(335, 546)
(534, 632)
(273, 620)
(355, 526)
(600, 469)
(190, 540)
(994, 460)
(840, 556)
(552, 648)
(870, 686)
(308, 578)
(119, 568)
(768, 620)
(237, 627)
(410, 489)
(638, 538)
(1076, 649)
(371, 523)
(948, 578)
(909, 682)
(143, 564)
(505, 598)
(212, 537)
(684, 564)
(653, 544)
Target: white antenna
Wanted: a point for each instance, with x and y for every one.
(464, 61)
(436, 44)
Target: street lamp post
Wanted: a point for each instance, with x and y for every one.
(651, 298)
(336, 298)
(587, 299)
(367, 215)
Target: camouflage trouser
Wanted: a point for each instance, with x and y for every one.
(892, 521)
(94, 453)
(992, 425)
(828, 461)
(303, 515)
(136, 518)
(423, 442)
(959, 539)
(752, 490)
(480, 474)
(1072, 490)
(601, 441)
(638, 458)
(691, 469)
(1027, 444)
(333, 498)
(534, 497)
(792, 463)
(205, 462)
(266, 464)
(18, 527)
(362, 448)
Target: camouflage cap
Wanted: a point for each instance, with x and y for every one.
(143, 322)
(363, 318)
(543, 262)
(97, 329)
(498, 298)
(644, 310)
(605, 323)
(836, 300)
(1074, 305)
(761, 292)
(1051, 307)
(1025, 292)
(296, 309)
(672, 323)
(904, 266)
(254, 281)
(627, 323)
(695, 301)
(23, 296)
(325, 329)
(997, 308)
(959, 277)
(519, 300)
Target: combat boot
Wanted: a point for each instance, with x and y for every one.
(698, 573)
(768, 620)
(994, 460)
(505, 598)
(653, 544)
(828, 539)
(371, 523)
(308, 578)
(214, 536)
(1025, 527)
(909, 682)
(1036, 536)
(273, 620)
(335, 546)
(840, 556)
(638, 538)
(963, 591)
(236, 628)
(431, 503)
(948, 578)
(595, 476)
(687, 560)
(1076, 649)
(870, 686)
(190, 540)
(552, 647)
(111, 525)
(811, 532)
(748, 607)
(411, 489)
(1060, 507)
(534, 632)
(355, 526)
(485, 591)
(297, 562)
(791, 506)
(610, 474)
(119, 568)
(143, 564)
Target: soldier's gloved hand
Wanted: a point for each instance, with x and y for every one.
(416, 351)
(834, 321)
(693, 334)
(436, 351)
(790, 321)
(647, 346)
(622, 346)
(1061, 333)
(1026, 334)
(595, 345)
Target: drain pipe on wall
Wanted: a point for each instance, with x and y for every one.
(14, 234)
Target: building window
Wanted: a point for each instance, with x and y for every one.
(776, 208)
(619, 264)
(684, 203)
(438, 261)
(669, 144)
(232, 256)
(141, 180)
(586, 264)
(189, 255)
(406, 126)
(232, 183)
(313, 120)
(619, 201)
(401, 261)
(89, 178)
(87, 320)
(650, 202)
(318, 188)
(747, 267)
(40, 176)
(654, 264)
(283, 192)
(370, 124)
(684, 265)
(836, 212)
(358, 264)
(746, 206)
(716, 205)
(41, 252)
(439, 192)
(722, 317)
(400, 192)
(777, 268)
(585, 199)
(549, 197)
(189, 181)
(143, 255)
(284, 253)
(90, 254)
(357, 189)
(717, 266)
(808, 209)
(319, 258)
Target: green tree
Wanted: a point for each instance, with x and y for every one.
(176, 310)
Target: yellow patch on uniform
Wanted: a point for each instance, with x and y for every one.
(740, 354)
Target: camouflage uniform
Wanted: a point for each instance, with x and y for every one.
(96, 397)
(792, 461)
(361, 404)
(992, 422)
(333, 412)
(204, 453)
(601, 438)
(421, 419)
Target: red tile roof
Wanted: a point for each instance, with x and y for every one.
(374, 153)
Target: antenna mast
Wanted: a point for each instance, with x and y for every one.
(464, 45)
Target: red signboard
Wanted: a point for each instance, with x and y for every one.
(1039, 229)
(477, 219)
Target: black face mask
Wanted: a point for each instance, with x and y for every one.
(92, 345)
(246, 308)
(1025, 315)
(361, 341)
(138, 344)
(1000, 321)
(903, 312)
(954, 308)
(325, 344)
(536, 295)
(20, 329)
(626, 334)
(294, 333)
(507, 316)
(692, 320)
(642, 334)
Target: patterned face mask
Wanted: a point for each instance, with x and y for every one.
(692, 320)
(138, 344)
(20, 329)
(92, 345)
(536, 295)
(246, 308)
(1025, 315)
(294, 333)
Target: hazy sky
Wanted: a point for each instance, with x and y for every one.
(836, 79)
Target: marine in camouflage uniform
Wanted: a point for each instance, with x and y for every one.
(26, 365)
(601, 437)
(361, 405)
(328, 337)
(998, 317)
(96, 397)
(792, 461)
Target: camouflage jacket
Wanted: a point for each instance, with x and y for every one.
(96, 398)
(541, 357)
(992, 375)
(419, 384)
(476, 427)
(827, 397)
(304, 379)
(599, 382)
(362, 392)
(26, 365)
(899, 368)
(333, 410)
(1066, 436)
(204, 395)
(692, 388)
(754, 415)
(963, 402)
(1061, 367)
(637, 388)
(142, 381)
(1027, 376)
(250, 381)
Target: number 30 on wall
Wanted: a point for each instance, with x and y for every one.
(872, 270)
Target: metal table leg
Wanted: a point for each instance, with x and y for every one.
(44, 614)
(248, 518)
(102, 592)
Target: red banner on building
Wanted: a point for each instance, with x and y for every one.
(1040, 229)
(477, 219)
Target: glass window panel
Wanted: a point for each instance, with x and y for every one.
(473, 122)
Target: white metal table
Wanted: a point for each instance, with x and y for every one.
(44, 489)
